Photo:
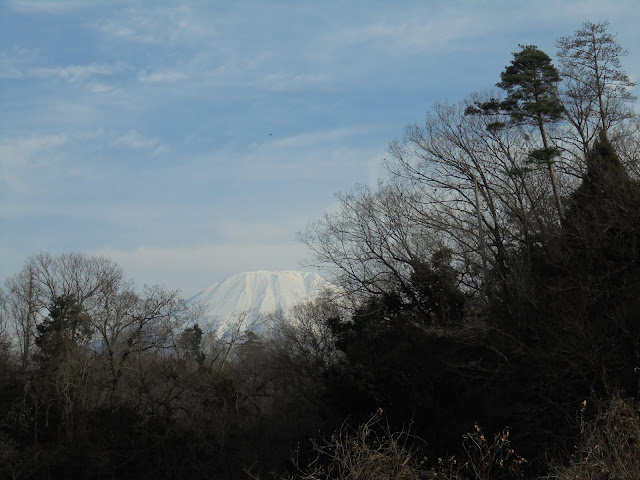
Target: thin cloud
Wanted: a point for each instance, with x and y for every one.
(17, 155)
(100, 87)
(428, 36)
(290, 81)
(267, 232)
(20, 63)
(319, 138)
(167, 76)
(73, 73)
(190, 268)
(57, 7)
(18, 151)
(14, 61)
(156, 26)
(133, 139)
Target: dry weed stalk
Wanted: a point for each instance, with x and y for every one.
(485, 460)
(368, 452)
(609, 446)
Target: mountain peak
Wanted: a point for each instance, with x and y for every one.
(257, 294)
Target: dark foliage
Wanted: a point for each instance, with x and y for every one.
(66, 327)
(581, 324)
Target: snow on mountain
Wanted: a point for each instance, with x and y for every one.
(257, 294)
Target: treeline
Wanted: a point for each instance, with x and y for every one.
(487, 325)
(99, 380)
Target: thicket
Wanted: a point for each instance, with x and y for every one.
(486, 325)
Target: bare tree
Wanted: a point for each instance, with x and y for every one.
(128, 323)
(302, 346)
(456, 183)
(5, 330)
(45, 277)
(370, 243)
(24, 301)
(595, 86)
(124, 322)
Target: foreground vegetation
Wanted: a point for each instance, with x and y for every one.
(487, 324)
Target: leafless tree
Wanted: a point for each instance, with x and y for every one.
(23, 305)
(595, 86)
(129, 323)
(456, 182)
(302, 347)
(45, 277)
(125, 323)
(369, 244)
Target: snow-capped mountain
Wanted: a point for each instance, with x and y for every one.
(257, 294)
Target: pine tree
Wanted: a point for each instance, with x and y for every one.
(531, 83)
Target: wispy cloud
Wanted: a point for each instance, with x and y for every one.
(97, 87)
(17, 155)
(159, 25)
(133, 139)
(18, 62)
(166, 76)
(16, 151)
(74, 73)
(56, 7)
(422, 33)
(14, 62)
(285, 81)
(319, 138)
(190, 268)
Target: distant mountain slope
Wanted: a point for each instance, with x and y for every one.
(258, 294)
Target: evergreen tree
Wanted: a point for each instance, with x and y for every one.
(190, 342)
(67, 326)
(531, 84)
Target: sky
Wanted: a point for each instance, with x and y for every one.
(192, 140)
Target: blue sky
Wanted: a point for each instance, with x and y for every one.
(191, 140)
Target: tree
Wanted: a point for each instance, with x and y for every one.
(580, 320)
(462, 172)
(45, 277)
(23, 304)
(130, 323)
(448, 176)
(371, 242)
(5, 335)
(596, 87)
(190, 341)
(440, 302)
(532, 99)
(302, 348)
(66, 327)
(62, 383)
(559, 324)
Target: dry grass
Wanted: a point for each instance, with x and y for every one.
(372, 452)
(485, 459)
(609, 446)
(369, 452)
